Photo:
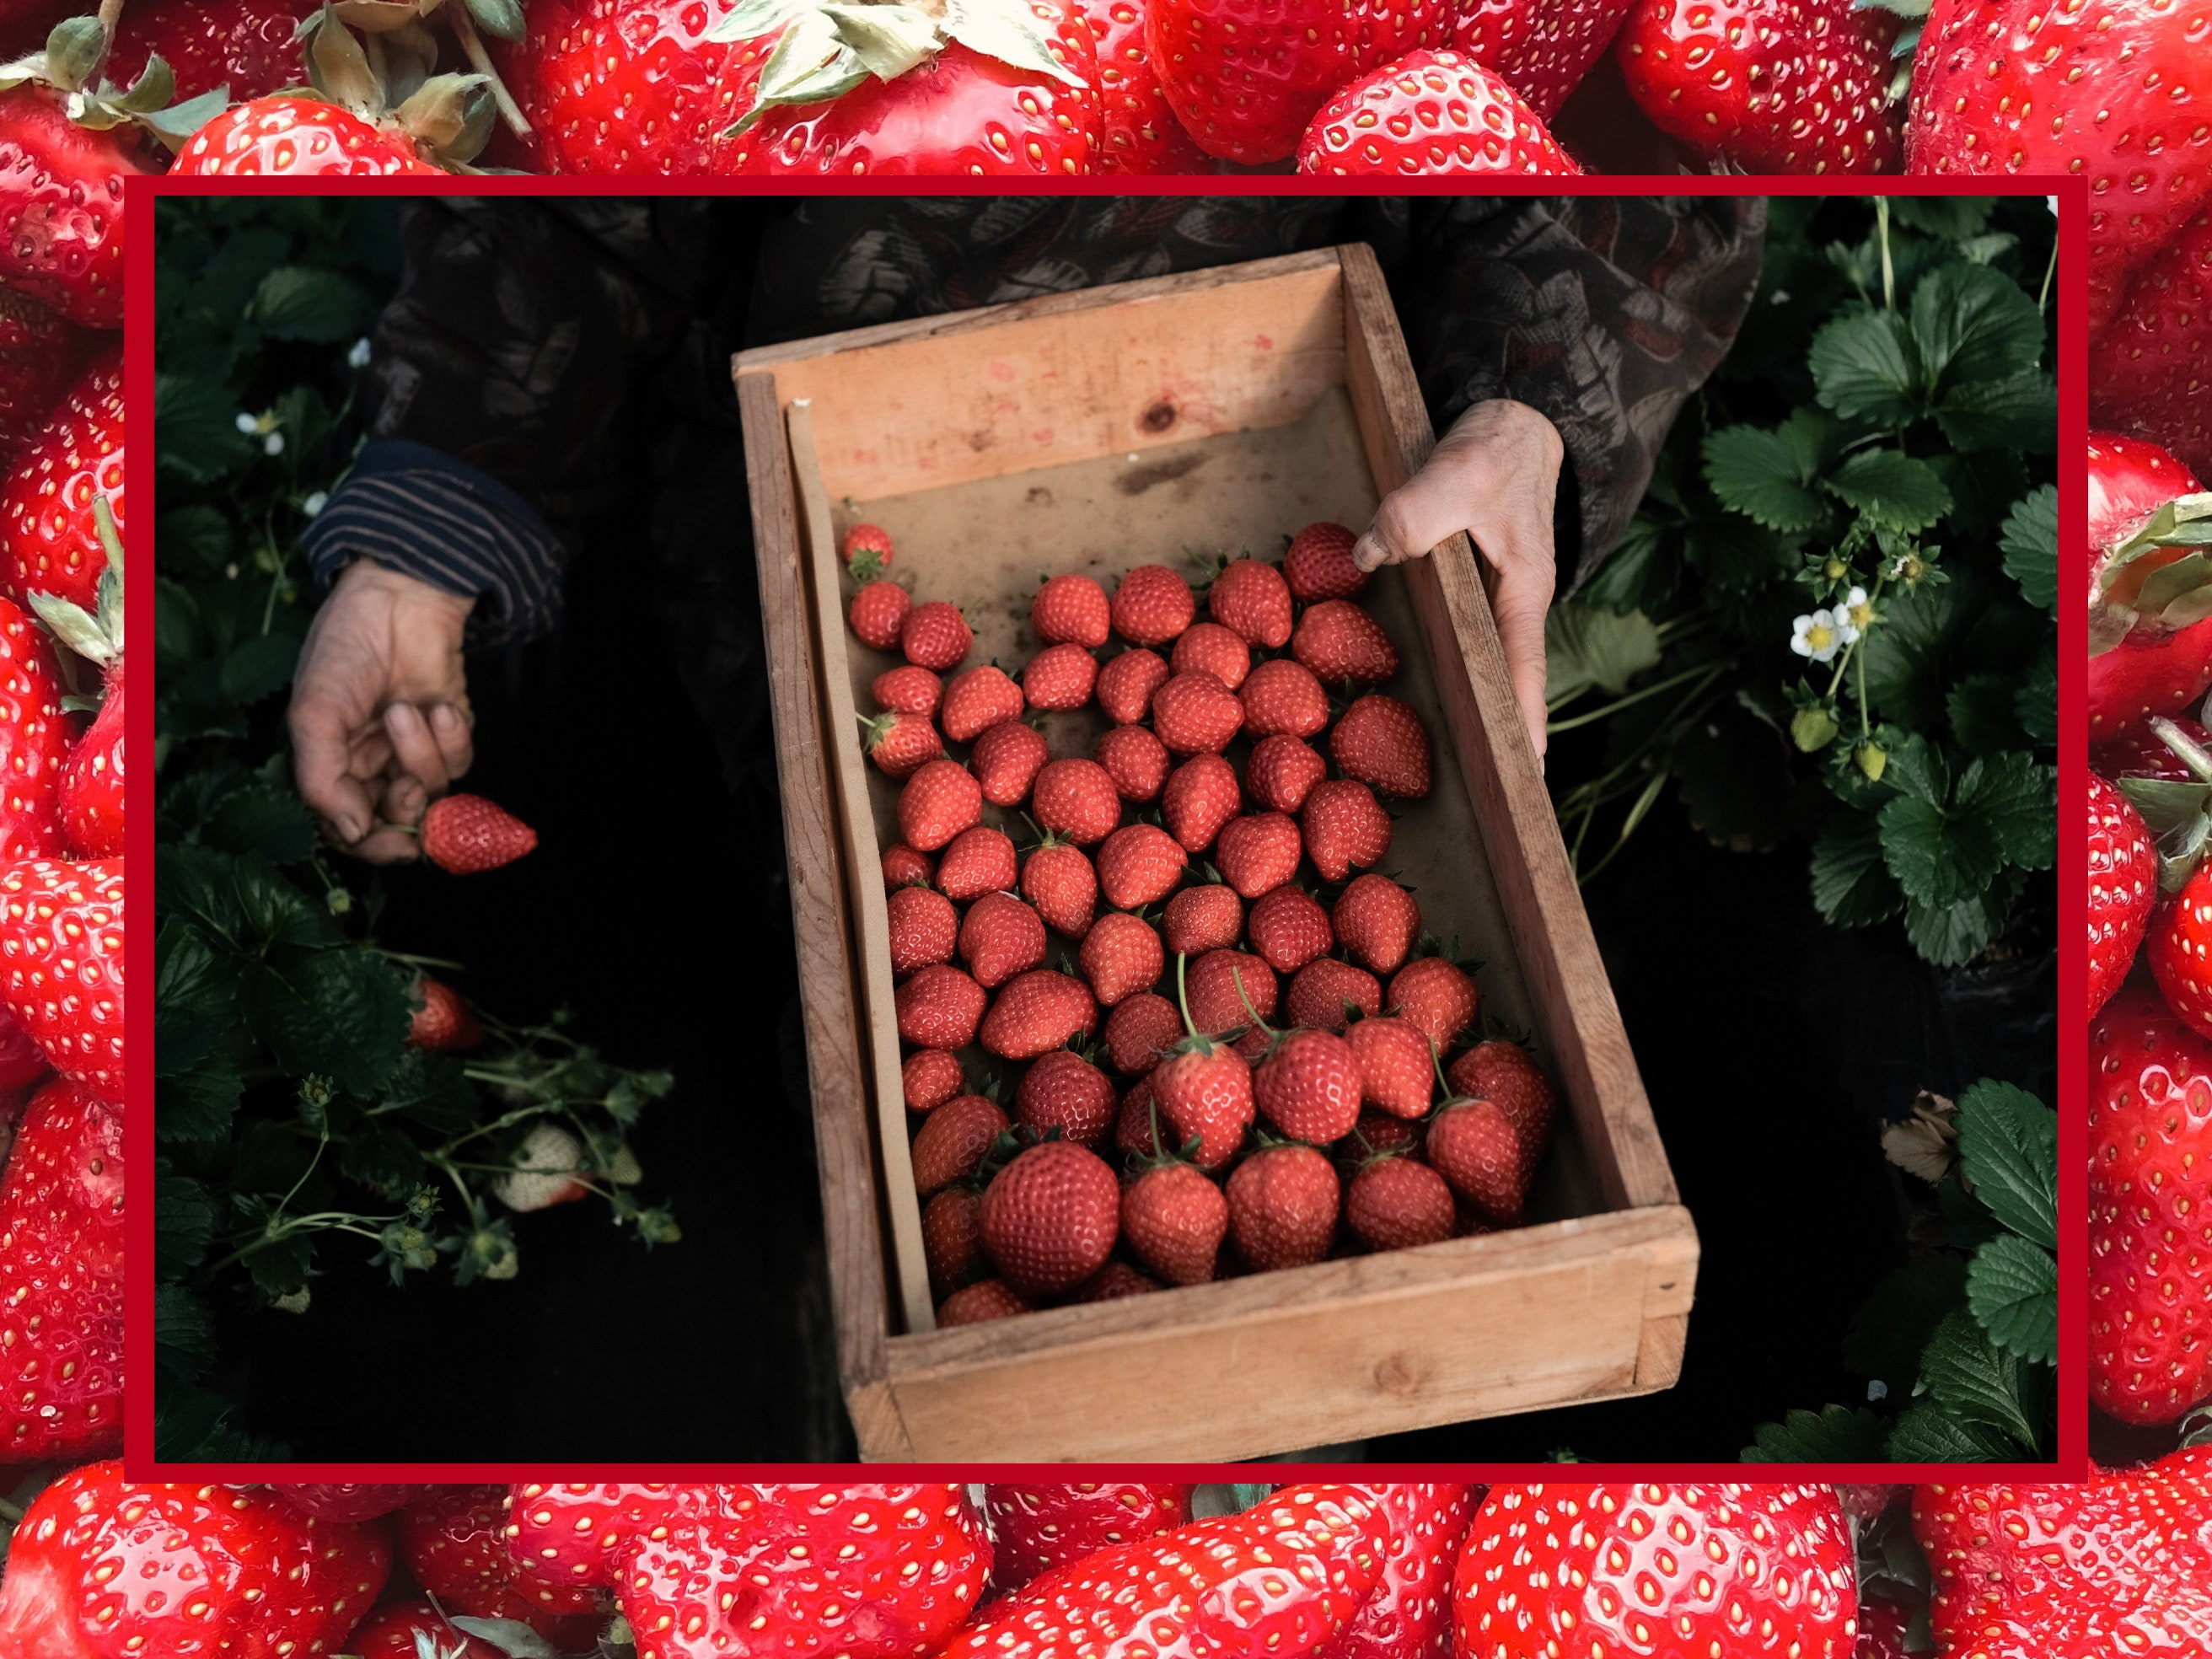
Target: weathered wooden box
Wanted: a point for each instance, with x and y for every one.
(1096, 431)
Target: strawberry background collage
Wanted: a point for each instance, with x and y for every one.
(1709, 1112)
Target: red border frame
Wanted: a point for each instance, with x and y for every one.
(2068, 293)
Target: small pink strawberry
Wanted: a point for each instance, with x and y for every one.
(866, 551)
(466, 835)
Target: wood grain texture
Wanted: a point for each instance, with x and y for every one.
(820, 932)
(856, 828)
(1543, 909)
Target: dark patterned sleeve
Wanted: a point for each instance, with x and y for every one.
(1605, 314)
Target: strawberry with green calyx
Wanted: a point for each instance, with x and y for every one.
(453, 1540)
(416, 1630)
(466, 835)
(2150, 585)
(34, 742)
(91, 796)
(1306, 1083)
(900, 743)
(866, 551)
(1034, 1529)
(245, 48)
(1203, 1088)
(50, 537)
(2178, 939)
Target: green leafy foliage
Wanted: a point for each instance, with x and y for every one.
(1847, 557)
(300, 1132)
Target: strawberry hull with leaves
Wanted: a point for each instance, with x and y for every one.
(2150, 585)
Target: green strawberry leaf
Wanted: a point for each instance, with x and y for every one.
(1981, 1385)
(1940, 858)
(2019, 413)
(1835, 1434)
(340, 1014)
(281, 1266)
(1952, 935)
(502, 18)
(199, 1104)
(1895, 1321)
(308, 302)
(196, 428)
(184, 1332)
(1761, 476)
(266, 820)
(1867, 367)
(1974, 325)
(184, 1221)
(2013, 1289)
(2008, 1148)
(1586, 647)
(2030, 540)
(2035, 704)
(1735, 555)
(1851, 885)
(1931, 1433)
(1892, 488)
(1981, 708)
(515, 1639)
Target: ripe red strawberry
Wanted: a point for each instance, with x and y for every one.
(1289, 929)
(2177, 946)
(45, 354)
(443, 1024)
(1038, 1011)
(1282, 772)
(952, 1239)
(466, 835)
(999, 936)
(979, 699)
(1225, 988)
(939, 801)
(1140, 1029)
(1319, 566)
(1308, 1087)
(50, 539)
(2001, 87)
(1007, 759)
(298, 138)
(2117, 1563)
(1767, 86)
(1376, 922)
(1050, 1217)
(1245, 79)
(1059, 880)
(770, 1567)
(936, 635)
(2149, 367)
(1254, 601)
(2122, 885)
(1340, 641)
(61, 1280)
(951, 1141)
(1142, 134)
(1126, 683)
(67, 148)
(939, 1007)
(990, 1299)
(1174, 1218)
(34, 749)
(878, 614)
(1258, 853)
(907, 690)
(1281, 1578)
(1701, 1563)
(1209, 917)
(246, 48)
(978, 860)
(2141, 753)
(1503, 1073)
(866, 551)
(105, 1567)
(346, 1500)
(413, 1630)
(1209, 647)
(1198, 797)
(1409, 1615)
(1003, 89)
(92, 797)
(924, 928)
(453, 1540)
(1395, 1203)
(1072, 609)
(61, 965)
(1430, 113)
(1139, 1130)
(618, 86)
(1397, 1066)
(1381, 741)
(1345, 827)
(1135, 759)
(1062, 1091)
(2141, 663)
(1474, 1146)
(1076, 799)
(1060, 677)
(1036, 1528)
(1140, 864)
(2151, 1211)
(1203, 1090)
(1195, 714)
(930, 1077)
(900, 744)
(904, 866)
(1152, 605)
(1436, 995)
(1320, 989)
(1282, 696)
(1282, 1207)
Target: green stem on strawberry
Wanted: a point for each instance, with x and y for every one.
(2185, 748)
(472, 48)
(1236, 978)
(1182, 998)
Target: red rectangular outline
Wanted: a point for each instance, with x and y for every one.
(2069, 292)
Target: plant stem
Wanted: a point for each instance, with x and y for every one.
(1888, 275)
(1707, 669)
(473, 47)
(2050, 270)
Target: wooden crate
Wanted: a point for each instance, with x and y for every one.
(1095, 431)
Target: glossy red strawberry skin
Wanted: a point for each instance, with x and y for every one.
(2150, 1209)
(1205, 1094)
(2151, 366)
(2122, 887)
(453, 1540)
(1308, 1087)
(1174, 1218)
(1283, 698)
(1036, 1528)
(1318, 564)
(1282, 772)
(61, 965)
(1141, 133)
(1072, 609)
(49, 543)
(878, 613)
(350, 1501)
(443, 1024)
(1136, 760)
(1254, 601)
(1006, 758)
(939, 1007)
(33, 740)
(1382, 742)
(244, 47)
(1283, 1203)
(999, 937)
(978, 699)
(92, 798)
(1062, 1091)
(1058, 879)
(1505, 1072)
(466, 835)
(1338, 641)
(2152, 670)
(1246, 76)
(1076, 799)
(45, 354)
(1141, 1029)
(1050, 1217)
(1397, 1204)
(923, 927)
(1430, 115)
(1409, 1616)
(1200, 797)
(1344, 826)
(1060, 677)
(1376, 921)
(61, 198)
(103, 1567)
(1036, 1010)
(1474, 1146)
(1320, 990)
(1152, 605)
(1140, 864)
(939, 800)
(396, 1630)
(978, 860)
(1126, 683)
(936, 635)
(619, 86)
(2177, 946)
(298, 138)
(952, 1140)
(1396, 1068)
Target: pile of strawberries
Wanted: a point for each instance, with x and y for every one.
(105, 1567)
(1191, 961)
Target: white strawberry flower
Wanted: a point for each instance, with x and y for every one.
(315, 502)
(1817, 636)
(357, 357)
(1856, 612)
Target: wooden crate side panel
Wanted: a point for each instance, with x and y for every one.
(1279, 1362)
(1014, 389)
(822, 936)
(1544, 910)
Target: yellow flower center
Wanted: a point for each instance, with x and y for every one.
(1820, 636)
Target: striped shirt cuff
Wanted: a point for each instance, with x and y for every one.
(423, 512)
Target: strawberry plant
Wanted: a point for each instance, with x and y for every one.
(323, 1105)
(1832, 622)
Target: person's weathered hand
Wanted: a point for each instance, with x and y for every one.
(1494, 475)
(379, 711)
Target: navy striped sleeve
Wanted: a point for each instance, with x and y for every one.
(420, 511)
